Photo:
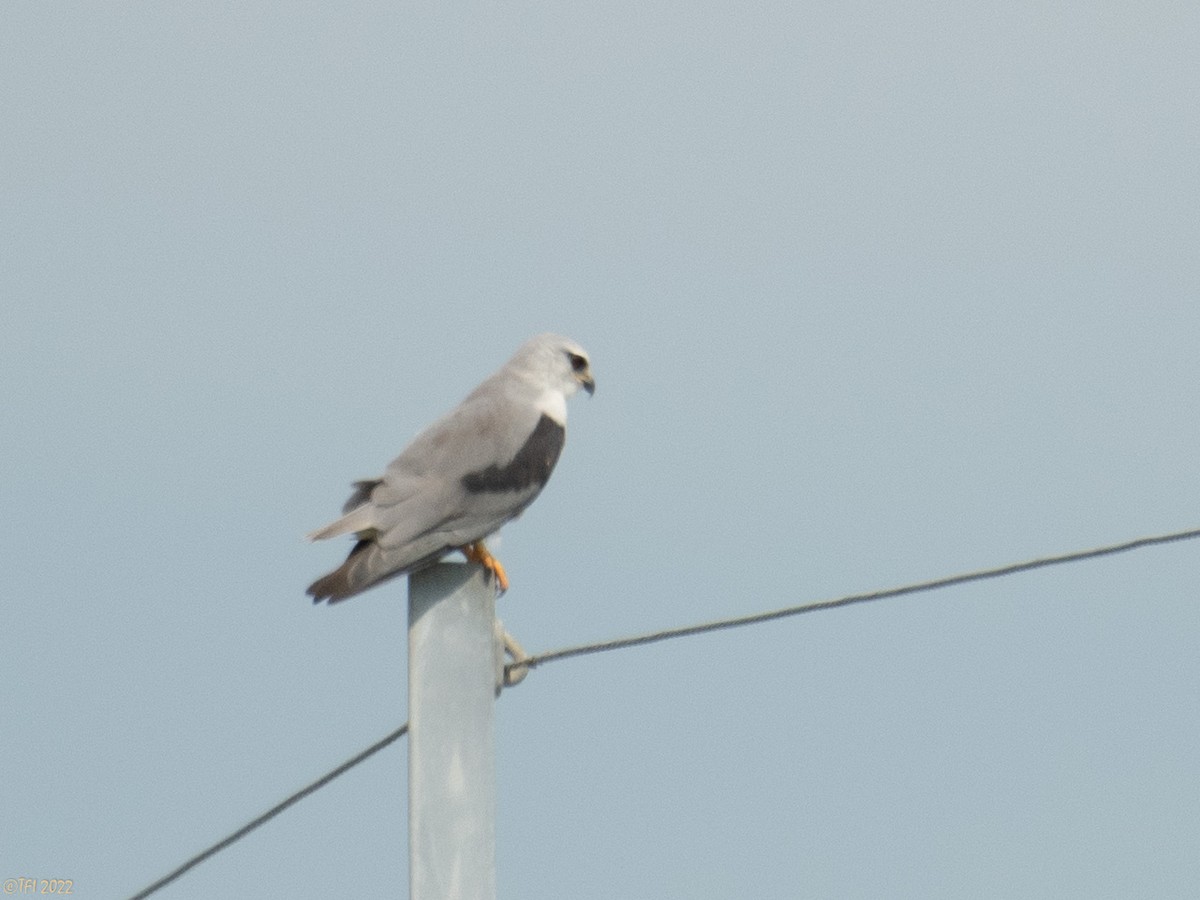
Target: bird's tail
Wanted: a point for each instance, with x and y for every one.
(352, 577)
(369, 564)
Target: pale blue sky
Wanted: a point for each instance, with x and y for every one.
(872, 295)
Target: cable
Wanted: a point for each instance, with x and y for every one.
(721, 624)
(686, 631)
(272, 812)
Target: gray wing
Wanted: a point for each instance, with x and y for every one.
(456, 483)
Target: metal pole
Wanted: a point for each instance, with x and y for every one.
(451, 737)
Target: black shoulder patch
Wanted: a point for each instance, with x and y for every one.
(531, 466)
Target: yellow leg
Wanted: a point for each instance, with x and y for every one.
(478, 553)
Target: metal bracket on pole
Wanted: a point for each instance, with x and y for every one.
(509, 674)
(452, 686)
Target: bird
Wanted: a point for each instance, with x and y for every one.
(464, 476)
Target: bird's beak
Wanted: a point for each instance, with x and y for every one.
(587, 382)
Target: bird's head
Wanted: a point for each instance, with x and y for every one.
(561, 362)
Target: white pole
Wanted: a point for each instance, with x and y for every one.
(451, 736)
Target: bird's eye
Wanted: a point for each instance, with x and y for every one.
(578, 363)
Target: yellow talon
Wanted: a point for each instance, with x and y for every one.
(478, 553)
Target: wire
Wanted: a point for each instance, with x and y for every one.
(272, 812)
(721, 624)
(687, 631)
